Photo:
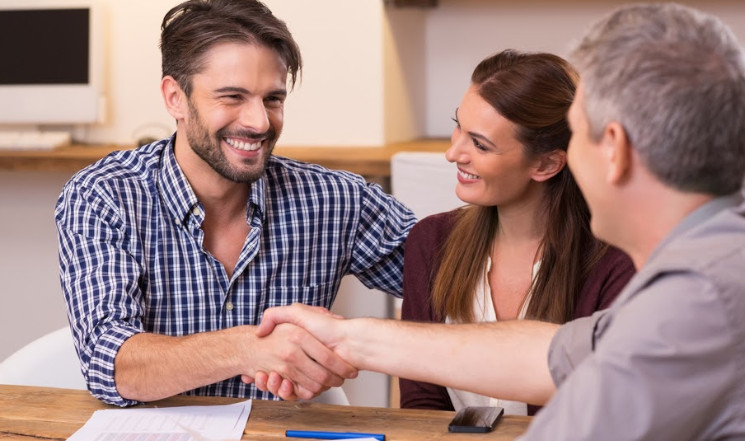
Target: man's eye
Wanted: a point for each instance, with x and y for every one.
(233, 98)
(274, 100)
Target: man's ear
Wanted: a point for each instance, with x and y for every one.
(617, 151)
(173, 97)
(549, 165)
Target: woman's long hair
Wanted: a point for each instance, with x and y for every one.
(534, 91)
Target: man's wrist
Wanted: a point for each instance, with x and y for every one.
(239, 346)
(356, 341)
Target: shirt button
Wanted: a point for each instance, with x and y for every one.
(196, 211)
(229, 306)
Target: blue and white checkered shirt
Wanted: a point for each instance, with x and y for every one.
(131, 255)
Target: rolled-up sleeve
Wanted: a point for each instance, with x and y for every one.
(571, 345)
(99, 279)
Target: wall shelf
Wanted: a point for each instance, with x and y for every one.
(372, 162)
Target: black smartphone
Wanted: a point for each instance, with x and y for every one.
(475, 419)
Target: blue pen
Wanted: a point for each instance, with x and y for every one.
(331, 435)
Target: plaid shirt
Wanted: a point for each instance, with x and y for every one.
(131, 255)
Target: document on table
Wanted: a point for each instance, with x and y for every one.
(188, 423)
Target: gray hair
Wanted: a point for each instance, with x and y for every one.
(674, 78)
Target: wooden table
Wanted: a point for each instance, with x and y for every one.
(33, 413)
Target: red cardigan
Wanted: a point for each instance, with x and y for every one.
(421, 262)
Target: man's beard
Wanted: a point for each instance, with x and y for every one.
(209, 149)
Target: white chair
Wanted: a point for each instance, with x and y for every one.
(424, 182)
(48, 361)
(335, 395)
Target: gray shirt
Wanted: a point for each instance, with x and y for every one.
(667, 360)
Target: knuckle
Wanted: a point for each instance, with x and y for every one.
(287, 354)
(306, 394)
(284, 370)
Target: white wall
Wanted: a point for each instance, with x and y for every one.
(338, 102)
(405, 73)
(31, 302)
(460, 33)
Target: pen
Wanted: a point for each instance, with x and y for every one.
(331, 435)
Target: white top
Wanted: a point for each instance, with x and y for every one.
(484, 312)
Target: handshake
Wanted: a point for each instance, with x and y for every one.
(315, 356)
(307, 350)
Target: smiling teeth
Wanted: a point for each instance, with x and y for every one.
(465, 175)
(240, 145)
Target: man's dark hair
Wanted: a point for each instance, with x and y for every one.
(192, 28)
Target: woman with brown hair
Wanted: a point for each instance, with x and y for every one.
(522, 246)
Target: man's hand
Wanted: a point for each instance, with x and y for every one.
(291, 353)
(318, 321)
(274, 383)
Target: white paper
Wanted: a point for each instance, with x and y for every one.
(188, 423)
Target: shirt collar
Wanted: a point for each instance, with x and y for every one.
(257, 196)
(174, 187)
(699, 215)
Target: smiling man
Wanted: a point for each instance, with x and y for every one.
(169, 254)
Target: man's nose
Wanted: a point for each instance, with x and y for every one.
(254, 116)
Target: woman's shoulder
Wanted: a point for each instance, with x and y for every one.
(613, 267)
(427, 237)
(615, 258)
(436, 225)
(604, 283)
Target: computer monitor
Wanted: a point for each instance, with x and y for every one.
(50, 62)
